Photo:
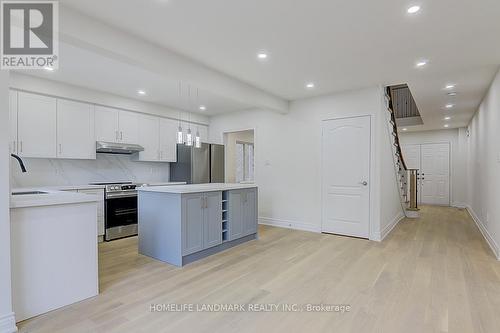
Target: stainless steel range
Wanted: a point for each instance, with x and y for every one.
(120, 210)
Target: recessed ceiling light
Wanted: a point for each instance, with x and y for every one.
(448, 106)
(262, 55)
(310, 85)
(203, 107)
(141, 92)
(449, 86)
(50, 69)
(405, 129)
(447, 118)
(453, 93)
(446, 125)
(421, 63)
(413, 9)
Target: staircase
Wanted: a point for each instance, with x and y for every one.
(406, 177)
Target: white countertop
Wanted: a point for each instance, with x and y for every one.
(163, 184)
(51, 197)
(73, 187)
(196, 188)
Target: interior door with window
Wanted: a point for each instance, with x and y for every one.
(346, 176)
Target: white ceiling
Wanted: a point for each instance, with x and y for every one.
(95, 71)
(338, 44)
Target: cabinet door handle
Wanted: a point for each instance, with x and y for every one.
(121, 135)
(60, 149)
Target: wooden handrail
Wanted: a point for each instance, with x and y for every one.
(395, 128)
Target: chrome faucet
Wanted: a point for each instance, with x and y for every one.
(20, 161)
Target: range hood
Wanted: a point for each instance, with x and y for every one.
(117, 148)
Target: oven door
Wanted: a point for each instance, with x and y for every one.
(121, 216)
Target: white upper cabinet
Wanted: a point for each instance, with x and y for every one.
(75, 130)
(168, 140)
(149, 133)
(113, 125)
(13, 121)
(106, 124)
(36, 125)
(129, 128)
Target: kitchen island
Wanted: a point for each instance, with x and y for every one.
(183, 223)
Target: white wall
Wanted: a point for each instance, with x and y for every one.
(483, 162)
(230, 146)
(455, 137)
(288, 155)
(7, 322)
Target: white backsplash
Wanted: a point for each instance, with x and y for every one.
(106, 168)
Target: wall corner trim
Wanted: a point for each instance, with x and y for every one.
(8, 323)
(487, 236)
(380, 236)
(289, 224)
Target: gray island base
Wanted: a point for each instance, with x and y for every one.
(184, 223)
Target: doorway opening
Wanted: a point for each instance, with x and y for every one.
(240, 156)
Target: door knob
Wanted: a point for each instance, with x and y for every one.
(364, 183)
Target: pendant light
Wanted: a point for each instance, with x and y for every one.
(180, 134)
(189, 136)
(197, 140)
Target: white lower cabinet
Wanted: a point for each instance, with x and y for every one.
(100, 209)
(99, 193)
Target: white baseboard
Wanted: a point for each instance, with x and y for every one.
(8, 323)
(379, 236)
(458, 205)
(487, 236)
(289, 224)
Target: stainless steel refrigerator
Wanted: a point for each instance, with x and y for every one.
(198, 165)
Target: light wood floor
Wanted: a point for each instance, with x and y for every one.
(435, 274)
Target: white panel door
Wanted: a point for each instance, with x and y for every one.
(411, 155)
(36, 125)
(13, 121)
(168, 137)
(106, 124)
(345, 176)
(435, 183)
(149, 138)
(75, 130)
(129, 128)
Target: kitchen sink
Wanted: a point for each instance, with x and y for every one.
(28, 192)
